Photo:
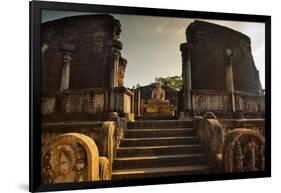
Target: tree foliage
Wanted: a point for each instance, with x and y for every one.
(171, 81)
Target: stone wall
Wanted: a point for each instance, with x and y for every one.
(208, 44)
(92, 41)
(219, 73)
(82, 69)
(87, 100)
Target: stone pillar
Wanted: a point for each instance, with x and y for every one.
(185, 49)
(67, 50)
(229, 84)
(121, 71)
(116, 46)
(133, 102)
(138, 102)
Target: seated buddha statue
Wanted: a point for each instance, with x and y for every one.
(157, 102)
(158, 95)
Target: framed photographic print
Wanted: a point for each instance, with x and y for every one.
(124, 96)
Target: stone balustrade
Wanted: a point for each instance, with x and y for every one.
(211, 135)
(103, 137)
(219, 102)
(230, 148)
(243, 151)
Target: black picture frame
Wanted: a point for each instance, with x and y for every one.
(35, 95)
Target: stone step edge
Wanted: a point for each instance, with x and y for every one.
(160, 169)
(161, 120)
(158, 157)
(157, 147)
(159, 138)
(159, 129)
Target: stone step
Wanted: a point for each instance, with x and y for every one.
(158, 141)
(160, 124)
(169, 132)
(158, 150)
(159, 161)
(158, 117)
(159, 172)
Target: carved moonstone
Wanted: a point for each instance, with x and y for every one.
(70, 157)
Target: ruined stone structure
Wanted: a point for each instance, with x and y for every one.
(219, 73)
(82, 68)
(89, 132)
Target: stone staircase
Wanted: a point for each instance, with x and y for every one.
(159, 148)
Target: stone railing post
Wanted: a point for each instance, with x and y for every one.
(185, 49)
(229, 84)
(211, 135)
(67, 50)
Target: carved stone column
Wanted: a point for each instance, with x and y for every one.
(137, 102)
(67, 50)
(121, 71)
(229, 84)
(115, 47)
(185, 49)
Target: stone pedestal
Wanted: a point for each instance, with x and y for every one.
(158, 108)
(122, 102)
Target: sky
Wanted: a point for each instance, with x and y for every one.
(151, 44)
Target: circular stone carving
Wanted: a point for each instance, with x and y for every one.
(243, 151)
(70, 157)
(105, 168)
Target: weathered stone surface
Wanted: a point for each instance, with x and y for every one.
(107, 143)
(219, 74)
(254, 124)
(107, 135)
(51, 130)
(159, 148)
(70, 157)
(95, 50)
(121, 71)
(204, 101)
(209, 42)
(81, 67)
(122, 102)
(243, 151)
(211, 136)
